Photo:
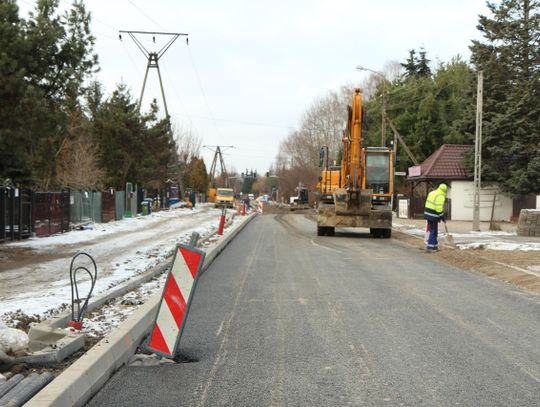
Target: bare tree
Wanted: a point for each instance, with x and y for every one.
(188, 145)
(77, 165)
(235, 180)
(322, 125)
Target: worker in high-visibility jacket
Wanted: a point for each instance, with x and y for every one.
(434, 213)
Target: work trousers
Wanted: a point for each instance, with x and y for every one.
(432, 243)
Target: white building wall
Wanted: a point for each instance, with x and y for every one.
(462, 195)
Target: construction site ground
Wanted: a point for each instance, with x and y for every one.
(519, 266)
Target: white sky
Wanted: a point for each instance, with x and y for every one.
(253, 67)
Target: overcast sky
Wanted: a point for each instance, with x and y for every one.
(253, 67)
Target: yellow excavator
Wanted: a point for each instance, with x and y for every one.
(359, 192)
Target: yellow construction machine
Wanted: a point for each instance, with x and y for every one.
(359, 192)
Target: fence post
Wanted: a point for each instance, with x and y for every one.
(49, 204)
(32, 212)
(2, 214)
(19, 231)
(62, 208)
(11, 214)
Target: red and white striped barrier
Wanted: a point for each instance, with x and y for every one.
(175, 301)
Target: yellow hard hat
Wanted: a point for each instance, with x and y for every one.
(443, 187)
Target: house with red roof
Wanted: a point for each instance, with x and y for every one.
(446, 166)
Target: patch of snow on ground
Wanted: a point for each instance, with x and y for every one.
(102, 321)
(134, 246)
(95, 231)
(473, 234)
(489, 240)
(494, 245)
(12, 340)
(46, 298)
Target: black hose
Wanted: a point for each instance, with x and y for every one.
(75, 298)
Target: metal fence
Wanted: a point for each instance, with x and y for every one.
(81, 207)
(119, 201)
(24, 212)
(51, 211)
(522, 202)
(108, 206)
(15, 213)
(131, 200)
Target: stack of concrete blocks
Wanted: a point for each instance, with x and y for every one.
(529, 222)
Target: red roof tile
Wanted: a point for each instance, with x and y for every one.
(445, 163)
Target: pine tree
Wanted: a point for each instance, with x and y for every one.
(422, 64)
(410, 64)
(427, 110)
(15, 96)
(132, 147)
(117, 130)
(44, 62)
(417, 66)
(510, 59)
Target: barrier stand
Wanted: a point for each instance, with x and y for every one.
(222, 221)
(176, 301)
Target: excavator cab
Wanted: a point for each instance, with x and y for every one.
(378, 175)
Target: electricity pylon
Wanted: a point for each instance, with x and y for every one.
(153, 57)
(218, 156)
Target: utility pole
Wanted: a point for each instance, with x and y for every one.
(397, 137)
(153, 57)
(478, 152)
(383, 114)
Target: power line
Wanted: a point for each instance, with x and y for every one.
(144, 14)
(270, 125)
(67, 3)
(100, 34)
(182, 105)
(199, 82)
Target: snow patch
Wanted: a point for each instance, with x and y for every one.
(494, 245)
(122, 250)
(12, 340)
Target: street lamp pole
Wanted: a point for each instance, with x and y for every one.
(383, 105)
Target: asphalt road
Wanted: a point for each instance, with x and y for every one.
(285, 318)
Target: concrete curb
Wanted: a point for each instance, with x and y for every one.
(78, 383)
